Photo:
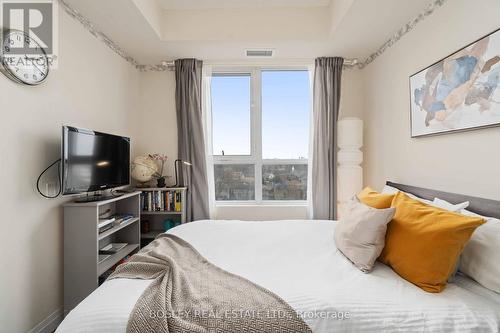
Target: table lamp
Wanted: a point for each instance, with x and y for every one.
(178, 161)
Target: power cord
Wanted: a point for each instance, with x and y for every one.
(58, 162)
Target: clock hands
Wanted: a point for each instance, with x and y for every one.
(41, 72)
(35, 63)
(33, 58)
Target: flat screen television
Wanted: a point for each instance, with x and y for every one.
(93, 161)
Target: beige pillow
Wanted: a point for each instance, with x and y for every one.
(360, 233)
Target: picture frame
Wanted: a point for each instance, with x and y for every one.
(460, 92)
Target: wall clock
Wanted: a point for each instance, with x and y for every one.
(30, 69)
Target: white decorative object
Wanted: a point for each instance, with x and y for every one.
(144, 168)
(349, 159)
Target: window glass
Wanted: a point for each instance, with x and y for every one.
(285, 114)
(284, 182)
(234, 182)
(231, 114)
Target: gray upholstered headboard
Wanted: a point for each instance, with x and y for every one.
(486, 207)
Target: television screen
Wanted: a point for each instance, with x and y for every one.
(93, 161)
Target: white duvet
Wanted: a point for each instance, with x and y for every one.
(299, 262)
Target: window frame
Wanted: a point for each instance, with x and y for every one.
(255, 156)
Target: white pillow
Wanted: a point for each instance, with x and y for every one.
(389, 190)
(392, 190)
(480, 258)
(440, 203)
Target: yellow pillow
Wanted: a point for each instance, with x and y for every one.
(423, 243)
(372, 198)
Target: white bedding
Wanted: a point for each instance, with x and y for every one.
(298, 261)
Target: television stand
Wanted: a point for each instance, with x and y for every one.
(83, 269)
(98, 197)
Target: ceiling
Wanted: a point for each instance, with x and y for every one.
(219, 4)
(221, 30)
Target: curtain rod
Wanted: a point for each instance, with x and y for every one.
(351, 62)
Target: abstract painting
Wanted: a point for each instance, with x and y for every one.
(460, 92)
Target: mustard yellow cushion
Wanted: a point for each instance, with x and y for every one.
(374, 199)
(423, 243)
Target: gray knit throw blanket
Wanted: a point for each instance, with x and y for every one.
(189, 294)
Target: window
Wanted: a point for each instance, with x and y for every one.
(285, 114)
(260, 135)
(231, 114)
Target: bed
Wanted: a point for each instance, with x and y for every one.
(298, 261)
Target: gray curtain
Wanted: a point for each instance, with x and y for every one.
(191, 142)
(326, 101)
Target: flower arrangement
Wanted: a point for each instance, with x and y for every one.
(160, 178)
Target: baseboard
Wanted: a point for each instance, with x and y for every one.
(49, 324)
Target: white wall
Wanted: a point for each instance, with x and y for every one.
(93, 88)
(466, 162)
(155, 120)
(352, 99)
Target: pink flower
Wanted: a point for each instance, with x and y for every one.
(158, 157)
(162, 158)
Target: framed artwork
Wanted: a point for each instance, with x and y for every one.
(459, 92)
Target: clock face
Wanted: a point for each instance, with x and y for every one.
(30, 69)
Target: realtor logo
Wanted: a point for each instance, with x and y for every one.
(34, 19)
(37, 20)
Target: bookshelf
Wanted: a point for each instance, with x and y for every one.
(82, 241)
(161, 209)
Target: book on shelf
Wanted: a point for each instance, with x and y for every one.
(161, 201)
(178, 201)
(121, 218)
